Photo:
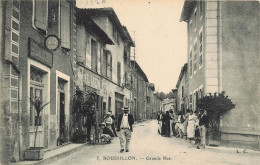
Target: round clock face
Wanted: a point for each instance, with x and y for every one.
(52, 42)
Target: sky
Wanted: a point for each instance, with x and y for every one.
(160, 38)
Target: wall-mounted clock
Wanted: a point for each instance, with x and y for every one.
(52, 42)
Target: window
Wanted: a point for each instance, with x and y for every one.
(115, 35)
(201, 48)
(109, 65)
(190, 26)
(104, 63)
(36, 91)
(195, 55)
(201, 6)
(118, 73)
(190, 63)
(109, 104)
(182, 91)
(65, 24)
(53, 16)
(40, 15)
(93, 55)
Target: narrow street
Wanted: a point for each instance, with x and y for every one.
(148, 147)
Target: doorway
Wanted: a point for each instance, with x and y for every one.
(62, 115)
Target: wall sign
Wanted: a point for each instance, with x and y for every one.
(40, 54)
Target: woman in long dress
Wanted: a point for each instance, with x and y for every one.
(185, 124)
(191, 126)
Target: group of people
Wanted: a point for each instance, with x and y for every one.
(191, 125)
(124, 128)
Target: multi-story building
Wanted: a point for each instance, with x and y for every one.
(182, 90)
(101, 53)
(139, 81)
(157, 105)
(149, 100)
(37, 49)
(223, 55)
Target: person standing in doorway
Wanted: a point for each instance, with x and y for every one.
(124, 125)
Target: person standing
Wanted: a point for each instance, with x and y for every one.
(166, 121)
(113, 125)
(124, 125)
(171, 122)
(185, 124)
(203, 125)
(191, 126)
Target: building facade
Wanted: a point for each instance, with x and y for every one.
(182, 90)
(139, 94)
(223, 55)
(33, 70)
(102, 49)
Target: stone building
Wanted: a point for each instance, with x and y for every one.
(182, 90)
(223, 55)
(102, 43)
(37, 51)
(150, 100)
(139, 80)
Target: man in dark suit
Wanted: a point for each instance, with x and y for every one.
(124, 125)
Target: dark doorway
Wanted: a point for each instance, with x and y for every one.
(62, 115)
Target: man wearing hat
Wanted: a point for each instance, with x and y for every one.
(124, 125)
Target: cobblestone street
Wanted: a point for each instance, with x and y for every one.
(148, 147)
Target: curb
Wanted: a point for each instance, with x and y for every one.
(54, 157)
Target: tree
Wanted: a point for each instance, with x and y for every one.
(216, 105)
(38, 105)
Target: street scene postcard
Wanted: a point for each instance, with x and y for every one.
(115, 82)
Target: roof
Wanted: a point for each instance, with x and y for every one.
(82, 18)
(128, 37)
(183, 70)
(139, 69)
(187, 10)
(112, 15)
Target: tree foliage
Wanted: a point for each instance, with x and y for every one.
(163, 95)
(216, 105)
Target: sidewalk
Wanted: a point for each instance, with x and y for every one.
(241, 151)
(224, 149)
(60, 152)
(55, 154)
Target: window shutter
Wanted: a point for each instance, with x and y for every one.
(119, 73)
(40, 18)
(65, 24)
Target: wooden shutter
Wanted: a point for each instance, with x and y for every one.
(40, 17)
(119, 73)
(65, 24)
